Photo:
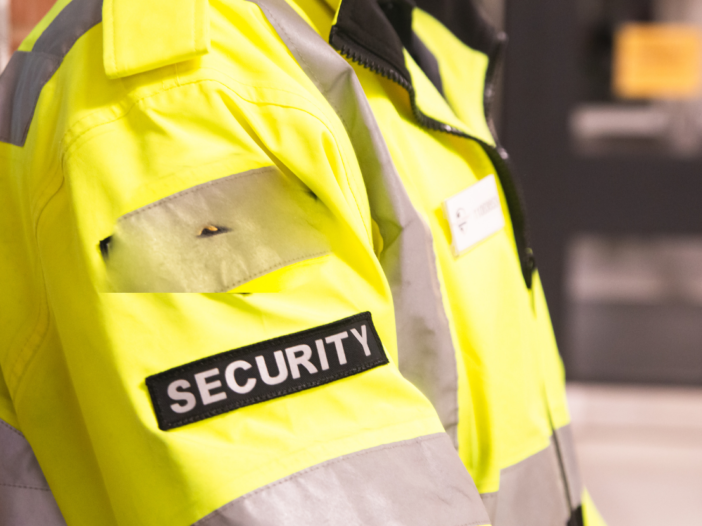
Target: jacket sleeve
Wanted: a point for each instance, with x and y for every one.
(25, 497)
(218, 344)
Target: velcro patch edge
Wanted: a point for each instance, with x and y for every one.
(209, 387)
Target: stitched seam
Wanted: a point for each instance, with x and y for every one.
(271, 268)
(66, 147)
(67, 45)
(36, 338)
(243, 351)
(266, 87)
(323, 465)
(424, 419)
(182, 84)
(57, 60)
(313, 333)
(35, 102)
(23, 487)
(263, 86)
(256, 171)
(160, 202)
(8, 426)
(193, 18)
(270, 396)
(45, 54)
(73, 41)
(525, 462)
(441, 314)
(31, 344)
(452, 411)
(114, 37)
(73, 141)
(197, 81)
(310, 72)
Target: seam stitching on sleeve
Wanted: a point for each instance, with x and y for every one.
(272, 268)
(114, 37)
(255, 171)
(310, 72)
(322, 465)
(23, 487)
(193, 37)
(11, 428)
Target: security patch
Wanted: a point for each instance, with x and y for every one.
(264, 371)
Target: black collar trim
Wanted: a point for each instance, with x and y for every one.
(373, 30)
(363, 31)
(467, 23)
(366, 33)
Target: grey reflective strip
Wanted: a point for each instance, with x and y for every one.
(532, 493)
(490, 503)
(569, 462)
(25, 498)
(426, 353)
(28, 72)
(20, 86)
(70, 24)
(417, 482)
(216, 236)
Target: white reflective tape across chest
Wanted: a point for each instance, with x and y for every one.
(474, 214)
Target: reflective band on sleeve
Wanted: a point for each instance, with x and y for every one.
(532, 493)
(416, 482)
(25, 498)
(427, 357)
(20, 86)
(28, 72)
(566, 447)
(69, 25)
(218, 235)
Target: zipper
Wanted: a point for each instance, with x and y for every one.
(498, 156)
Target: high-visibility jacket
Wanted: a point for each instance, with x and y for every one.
(262, 262)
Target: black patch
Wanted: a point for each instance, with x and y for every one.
(296, 362)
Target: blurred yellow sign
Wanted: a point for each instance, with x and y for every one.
(660, 61)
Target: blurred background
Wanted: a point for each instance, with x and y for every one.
(599, 103)
(17, 19)
(601, 111)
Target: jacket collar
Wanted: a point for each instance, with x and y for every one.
(366, 34)
(371, 29)
(374, 32)
(141, 35)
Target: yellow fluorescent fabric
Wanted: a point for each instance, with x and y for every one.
(28, 43)
(123, 145)
(7, 412)
(465, 68)
(504, 418)
(430, 101)
(165, 96)
(510, 376)
(591, 516)
(168, 31)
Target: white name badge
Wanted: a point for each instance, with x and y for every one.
(474, 214)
